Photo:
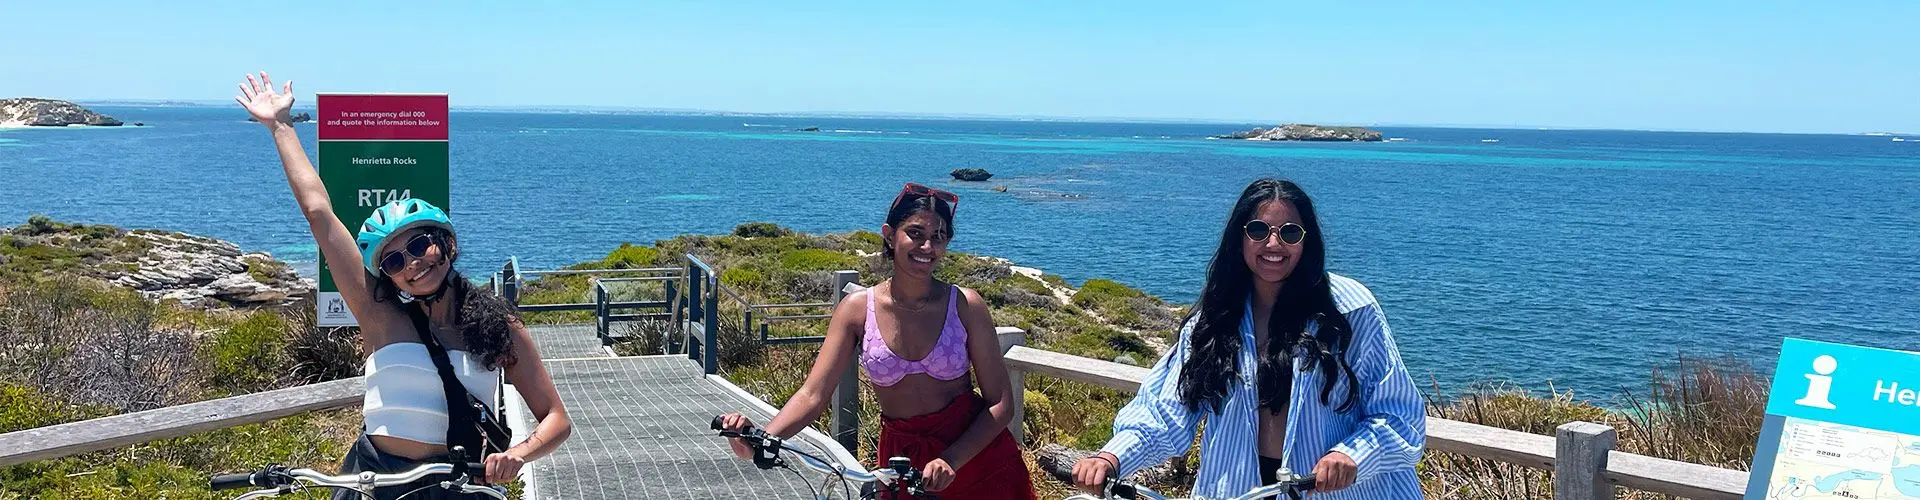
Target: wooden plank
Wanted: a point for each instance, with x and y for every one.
(175, 421)
(1672, 477)
(1480, 441)
(1066, 366)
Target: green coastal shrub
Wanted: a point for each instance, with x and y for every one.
(814, 259)
(761, 230)
(248, 355)
(741, 277)
(631, 256)
(869, 241)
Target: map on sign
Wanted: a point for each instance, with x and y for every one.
(1820, 460)
(1842, 422)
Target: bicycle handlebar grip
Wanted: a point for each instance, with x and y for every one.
(716, 423)
(1305, 482)
(230, 481)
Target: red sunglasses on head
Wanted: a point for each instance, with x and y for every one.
(953, 200)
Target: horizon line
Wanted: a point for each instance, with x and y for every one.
(616, 109)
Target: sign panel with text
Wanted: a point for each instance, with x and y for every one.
(374, 149)
(1842, 422)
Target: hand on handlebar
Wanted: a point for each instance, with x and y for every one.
(1091, 473)
(735, 422)
(1335, 471)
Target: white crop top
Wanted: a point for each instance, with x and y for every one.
(405, 398)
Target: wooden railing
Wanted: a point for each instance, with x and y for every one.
(62, 440)
(1580, 454)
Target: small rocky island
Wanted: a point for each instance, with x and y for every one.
(1304, 132)
(296, 118)
(971, 174)
(37, 112)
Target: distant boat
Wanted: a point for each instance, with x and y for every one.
(1489, 141)
(1396, 139)
(1897, 139)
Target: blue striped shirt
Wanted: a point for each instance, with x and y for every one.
(1383, 432)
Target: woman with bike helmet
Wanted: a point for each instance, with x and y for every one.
(919, 340)
(1290, 365)
(417, 315)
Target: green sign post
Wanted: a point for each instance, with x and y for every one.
(374, 149)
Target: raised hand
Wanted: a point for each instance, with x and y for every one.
(258, 97)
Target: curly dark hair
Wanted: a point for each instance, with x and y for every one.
(485, 320)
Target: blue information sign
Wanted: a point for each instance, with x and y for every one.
(1843, 422)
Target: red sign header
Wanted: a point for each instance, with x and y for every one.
(376, 117)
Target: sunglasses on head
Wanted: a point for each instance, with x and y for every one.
(396, 260)
(1290, 233)
(917, 190)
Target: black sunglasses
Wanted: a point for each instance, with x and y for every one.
(1290, 233)
(394, 262)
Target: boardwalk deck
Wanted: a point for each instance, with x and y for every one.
(567, 341)
(641, 431)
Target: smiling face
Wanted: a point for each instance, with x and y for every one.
(918, 243)
(1272, 260)
(424, 271)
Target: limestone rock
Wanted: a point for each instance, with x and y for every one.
(36, 112)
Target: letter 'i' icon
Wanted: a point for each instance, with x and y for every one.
(1819, 383)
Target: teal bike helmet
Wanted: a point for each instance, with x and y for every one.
(392, 219)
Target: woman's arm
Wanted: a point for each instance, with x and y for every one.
(1392, 414)
(336, 244)
(843, 331)
(990, 372)
(1156, 425)
(529, 377)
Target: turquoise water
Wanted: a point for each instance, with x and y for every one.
(1579, 259)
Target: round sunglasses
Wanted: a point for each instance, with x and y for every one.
(395, 261)
(1290, 233)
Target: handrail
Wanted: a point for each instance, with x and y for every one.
(602, 271)
(74, 438)
(1554, 453)
(792, 306)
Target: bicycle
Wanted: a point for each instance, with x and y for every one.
(276, 480)
(897, 477)
(1293, 486)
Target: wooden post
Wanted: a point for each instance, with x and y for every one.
(1017, 379)
(600, 312)
(1580, 461)
(846, 396)
(673, 316)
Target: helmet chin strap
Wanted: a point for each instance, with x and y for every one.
(438, 293)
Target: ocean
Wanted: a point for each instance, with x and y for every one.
(1572, 259)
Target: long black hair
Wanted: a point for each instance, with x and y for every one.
(908, 205)
(1214, 360)
(485, 320)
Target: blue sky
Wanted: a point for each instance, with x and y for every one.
(1851, 66)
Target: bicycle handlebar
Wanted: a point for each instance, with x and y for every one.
(276, 480)
(767, 448)
(1290, 485)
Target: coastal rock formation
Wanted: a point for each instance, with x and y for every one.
(972, 174)
(197, 271)
(302, 117)
(1303, 132)
(36, 112)
(808, 129)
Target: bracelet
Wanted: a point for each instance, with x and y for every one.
(1116, 465)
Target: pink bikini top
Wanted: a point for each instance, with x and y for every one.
(948, 360)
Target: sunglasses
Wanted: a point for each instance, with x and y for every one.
(1290, 233)
(395, 261)
(917, 190)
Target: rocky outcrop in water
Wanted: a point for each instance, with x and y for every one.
(1302, 132)
(197, 271)
(36, 112)
(971, 174)
(302, 117)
